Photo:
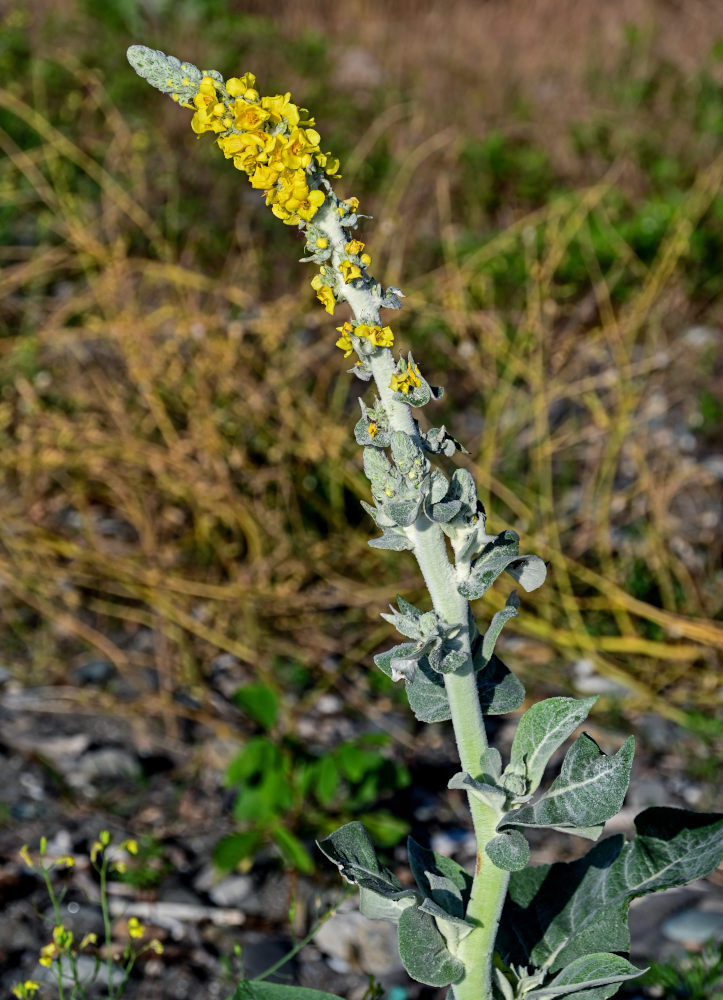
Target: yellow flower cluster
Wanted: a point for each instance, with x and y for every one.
(407, 381)
(26, 990)
(379, 336)
(271, 139)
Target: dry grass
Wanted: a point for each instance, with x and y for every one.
(176, 447)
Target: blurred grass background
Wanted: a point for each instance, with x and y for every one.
(179, 478)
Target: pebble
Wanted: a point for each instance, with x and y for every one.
(351, 941)
(694, 927)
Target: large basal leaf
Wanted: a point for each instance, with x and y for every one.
(439, 878)
(251, 989)
(351, 850)
(572, 909)
(541, 730)
(594, 977)
(589, 790)
(423, 950)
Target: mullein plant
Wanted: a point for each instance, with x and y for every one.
(508, 930)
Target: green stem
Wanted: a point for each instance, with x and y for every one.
(106, 923)
(489, 886)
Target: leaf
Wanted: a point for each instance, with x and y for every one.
(259, 702)
(229, 851)
(499, 690)
(529, 571)
(326, 780)
(293, 850)
(423, 951)
(427, 694)
(351, 850)
(453, 929)
(395, 541)
(439, 878)
(376, 907)
(499, 620)
(589, 789)
(541, 730)
(489, 794)
(568, 910)
(508, 851)
(495, 557)
(404, 512)
(251, 989)
(498, 555)
(594, 977)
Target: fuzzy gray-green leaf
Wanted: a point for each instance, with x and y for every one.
(541, 730)
(594, 977)
(590, 789)
(396, 541)
(499, 690)
(508, 851)
(351, 850)
(440, 878)
(423, 950)
(567, 910)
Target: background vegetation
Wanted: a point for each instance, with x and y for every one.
(180, 487)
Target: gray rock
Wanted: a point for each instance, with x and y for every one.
(104, 764)
(694, 927)
(353, 942)
(234, 890)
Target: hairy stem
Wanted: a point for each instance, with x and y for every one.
(430, 549)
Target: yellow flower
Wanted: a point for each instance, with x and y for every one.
(65, 860)
(249, 117)
(322, 243)
(156, 946)
(323, 293)
(130, 845)
(243, 87)
(105, 838)
(120, 866)
(23, 991)
(135, 928)
(349, 271)
(330, 164)
(264, 177)
(62, 937)
(90, 938)
(365, 259)
(24, 853)
(354, 247)
(47, 954)
(209, 109)
(406, 381)
(311, 205)
(377, 335)
(372, 429)
(279, 106)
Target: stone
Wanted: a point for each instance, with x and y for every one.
(353, 942)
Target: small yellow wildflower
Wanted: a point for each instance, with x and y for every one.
(405, 382)
(135, 928)
(23, 991)
(90, 938)
(156, 946)
(47, 954)
(354, 247)
(62, 937)
(120, 867)
(65, 861)
(322, 243)
(105, 838)
(372, 429)
(345, 344)
(130, 845)
(365, 259)
(349, 271)
(24, 853)
(310, 206)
